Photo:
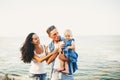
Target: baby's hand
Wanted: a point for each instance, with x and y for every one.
(69, 47)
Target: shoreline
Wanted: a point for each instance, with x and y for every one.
(10, 77)
(16, 77)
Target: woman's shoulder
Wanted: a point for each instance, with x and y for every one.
(43, 45)
(45, 48)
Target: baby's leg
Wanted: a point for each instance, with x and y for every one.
(62, 66)
(66, 71)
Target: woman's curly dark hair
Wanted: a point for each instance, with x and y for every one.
(27, 50)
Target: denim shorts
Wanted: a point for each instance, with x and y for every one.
(38, 76)
(66, 77)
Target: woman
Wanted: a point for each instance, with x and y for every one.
(35, 53)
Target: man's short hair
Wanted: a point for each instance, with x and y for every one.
(50, 29)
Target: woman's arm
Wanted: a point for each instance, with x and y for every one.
(49, 57)
(41, 59)
(53, 56)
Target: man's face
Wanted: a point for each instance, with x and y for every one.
(54, 35)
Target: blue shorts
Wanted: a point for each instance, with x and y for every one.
(66, 77)
(38, 76)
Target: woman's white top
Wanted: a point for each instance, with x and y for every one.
(38, 67)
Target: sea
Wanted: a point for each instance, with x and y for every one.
(98, 57)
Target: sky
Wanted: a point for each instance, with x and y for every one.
(83, 17)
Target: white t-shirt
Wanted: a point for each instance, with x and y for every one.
(38, 67)
(57, 62)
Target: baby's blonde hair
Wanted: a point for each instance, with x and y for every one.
(68, 32)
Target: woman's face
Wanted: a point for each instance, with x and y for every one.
(35, 39)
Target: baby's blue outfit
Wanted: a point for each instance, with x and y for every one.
(71, 54)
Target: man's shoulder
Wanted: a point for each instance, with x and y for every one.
(50, 43)
(62, 38)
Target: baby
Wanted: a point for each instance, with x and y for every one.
(68, 50)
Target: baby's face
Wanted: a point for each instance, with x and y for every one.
(67, 37)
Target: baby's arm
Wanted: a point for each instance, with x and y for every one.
(72, 46)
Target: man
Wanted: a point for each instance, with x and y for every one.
(54, 48)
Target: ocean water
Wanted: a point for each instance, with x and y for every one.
(99, 57)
